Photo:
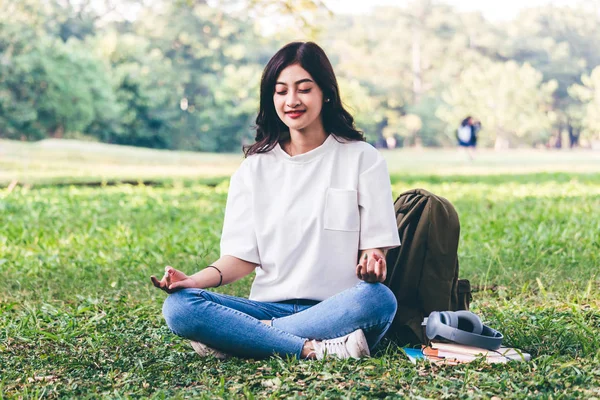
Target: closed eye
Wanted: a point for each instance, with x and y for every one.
(299, 91)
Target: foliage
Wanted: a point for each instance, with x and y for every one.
(511, 99)
(589, 95)
(66, 88)
(79, 317)
(146, 90)
(185, 74)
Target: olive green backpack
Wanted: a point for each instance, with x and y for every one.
(423, 271)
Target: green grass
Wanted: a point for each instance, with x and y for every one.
(69, 161)
(56, 161)
(79, 317)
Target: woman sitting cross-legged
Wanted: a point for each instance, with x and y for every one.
(310, 196)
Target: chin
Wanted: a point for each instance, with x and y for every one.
(297, 127)
(300, 125)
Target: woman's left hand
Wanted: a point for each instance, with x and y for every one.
(372, 267)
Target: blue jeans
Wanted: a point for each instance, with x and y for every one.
(232, 324)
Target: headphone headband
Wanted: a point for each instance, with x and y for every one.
(438, 327)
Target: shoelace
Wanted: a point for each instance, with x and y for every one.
(334, 347)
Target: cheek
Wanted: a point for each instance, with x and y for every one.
(277, 103)
(316, 103)
(316, 107)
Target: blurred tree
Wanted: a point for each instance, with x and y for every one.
(431, 133)
(185, 74)
(589, 95)
(560, 42)
(49, 87)
(406, 126)
(147, 92)
(364, 108)
(512, 101)
(210, 51)
(405, 57)
(283, 19)
(32, 15)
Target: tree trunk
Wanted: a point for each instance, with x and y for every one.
(573, 136)
(417, 141)
(58, 132)
(501, 141)
(416, 63)
(558, 139)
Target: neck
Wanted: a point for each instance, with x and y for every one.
(304, 140)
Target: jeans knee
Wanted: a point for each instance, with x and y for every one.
(176, 310)
(380, 298)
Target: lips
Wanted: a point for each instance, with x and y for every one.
(295, 114)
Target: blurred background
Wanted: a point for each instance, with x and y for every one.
(184, 75)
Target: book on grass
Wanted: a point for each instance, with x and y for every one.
(499, 355)
(453, 354)
(413, 354)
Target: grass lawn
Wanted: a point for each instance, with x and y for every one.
(80, 318)
(55, 161)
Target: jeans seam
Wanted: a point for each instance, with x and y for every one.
(240, 300)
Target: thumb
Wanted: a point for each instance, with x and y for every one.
(175, 285)
(179, 284)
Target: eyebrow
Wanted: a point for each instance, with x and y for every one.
(297, 82)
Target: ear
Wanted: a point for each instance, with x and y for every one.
(469, 322)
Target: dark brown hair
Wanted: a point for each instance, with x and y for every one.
(336, 120)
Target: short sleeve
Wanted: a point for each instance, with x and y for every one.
(377, 216)
(239, 238)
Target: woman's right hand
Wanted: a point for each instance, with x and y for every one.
(173, 280)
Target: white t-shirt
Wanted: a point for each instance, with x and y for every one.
(464, 133)
(304, 218)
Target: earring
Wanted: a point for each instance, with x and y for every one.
(326, 100)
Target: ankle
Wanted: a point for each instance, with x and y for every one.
(308, 351)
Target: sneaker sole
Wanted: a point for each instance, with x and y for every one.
(363, 345)
(204, 351)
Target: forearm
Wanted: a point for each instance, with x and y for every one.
(231, 267)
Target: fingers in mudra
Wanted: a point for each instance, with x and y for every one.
(371, 269)
(361, 268)
(174, 275)
(169, 278)
(372, 273)
(380, 268)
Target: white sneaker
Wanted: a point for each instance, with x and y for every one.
(353, 345)
(205, 351)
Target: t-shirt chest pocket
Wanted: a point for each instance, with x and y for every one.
(341, 210)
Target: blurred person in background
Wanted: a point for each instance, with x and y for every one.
(466, 134)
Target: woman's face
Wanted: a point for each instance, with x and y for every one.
(298, 99)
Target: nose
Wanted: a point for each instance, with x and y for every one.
(292, 99)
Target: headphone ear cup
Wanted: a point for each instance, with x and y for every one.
(449, 318)
(434, 322)
(469, 322)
